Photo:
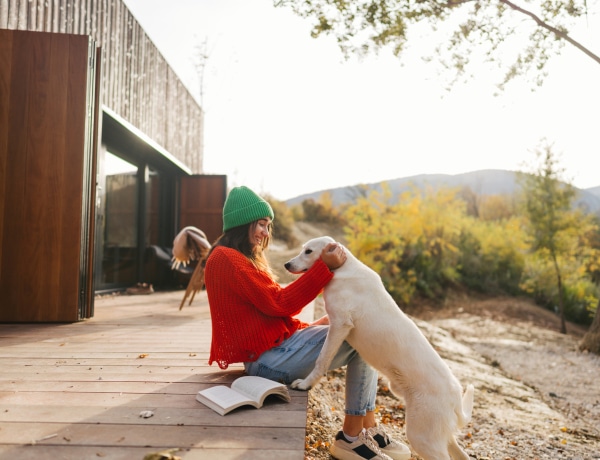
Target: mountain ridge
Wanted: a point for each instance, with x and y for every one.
(481, 182)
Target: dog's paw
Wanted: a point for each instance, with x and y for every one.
(301, 384)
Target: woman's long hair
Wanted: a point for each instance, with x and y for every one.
(237, 238)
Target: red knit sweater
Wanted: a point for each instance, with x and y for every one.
(250, 312)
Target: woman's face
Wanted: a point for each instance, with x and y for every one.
(259, 231)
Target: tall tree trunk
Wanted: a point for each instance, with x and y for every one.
(561, 303)
(591, 339)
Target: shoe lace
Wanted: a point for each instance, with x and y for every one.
(378, 430)
(367, 439)
(387, 439)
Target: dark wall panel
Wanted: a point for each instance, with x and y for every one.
(202, 200)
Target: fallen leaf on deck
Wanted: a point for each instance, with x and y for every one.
(163, 455)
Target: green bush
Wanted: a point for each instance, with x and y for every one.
(492, 256)
(322, 211)
(580, 294)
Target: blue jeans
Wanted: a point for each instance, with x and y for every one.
(295, 358)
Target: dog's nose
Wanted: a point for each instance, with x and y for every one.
(287, 265)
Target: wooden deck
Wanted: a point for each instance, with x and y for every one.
(76, 391)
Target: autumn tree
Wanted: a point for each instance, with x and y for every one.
(490, 30)
(591, 340)
(492, 255)
(547, 200)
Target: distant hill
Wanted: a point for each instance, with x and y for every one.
(484, 182)
(594, 190)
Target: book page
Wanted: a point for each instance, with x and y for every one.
(256, 387)
(225, 396)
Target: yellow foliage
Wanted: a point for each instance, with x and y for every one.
(425, 241)
(411, 241)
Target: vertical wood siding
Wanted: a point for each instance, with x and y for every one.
(137, 83)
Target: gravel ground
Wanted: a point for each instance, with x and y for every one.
(536, 396)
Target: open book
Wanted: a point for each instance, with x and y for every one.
(248, 390)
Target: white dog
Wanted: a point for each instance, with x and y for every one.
(363, 313)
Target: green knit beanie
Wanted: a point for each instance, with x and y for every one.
(243, 206)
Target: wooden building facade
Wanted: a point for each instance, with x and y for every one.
(101, 148)
(136, 82)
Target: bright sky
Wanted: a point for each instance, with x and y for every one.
(286, 115)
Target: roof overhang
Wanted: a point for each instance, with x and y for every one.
(123, 138)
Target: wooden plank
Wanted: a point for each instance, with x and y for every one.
(132, 357)
(278, 415)
(74, 350)
(100, 386)
(6, 50)
(97, 399)
(18, 360)
(79, 173)
(116, 374)
(15, 165)
(42, 262)
(151, 436)
(37, 452)
(247, 454)
(59, 389)
(141, 401)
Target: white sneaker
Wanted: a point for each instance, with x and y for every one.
(365, 447)
(388, 445)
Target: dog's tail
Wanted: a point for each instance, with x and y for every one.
(465, 414)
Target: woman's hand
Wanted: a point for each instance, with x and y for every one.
(333, 255)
